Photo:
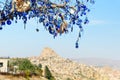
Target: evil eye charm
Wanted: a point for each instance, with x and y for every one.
(8, 22)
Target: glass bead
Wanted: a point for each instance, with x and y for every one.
(88, 10)
(92, 1)
(51, 31)
(15, 21)
(79, 21)
(78, 9)
(8, 22)
(1, 28)
(48, 5)
(41, 19)
(50, 17)
(46, 24)
(66, 1)
(37, 30)
(76, 45)
(50, 10)
(73, 21)
(2, 23)
(79, 35)
(86, 21)
(65, 17)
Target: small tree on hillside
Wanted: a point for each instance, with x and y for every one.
(48, 74)
(40, 65)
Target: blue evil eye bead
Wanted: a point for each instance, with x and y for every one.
(79, 21)
(2, 23)
(37, 30)
(1, 28)
(65, 17)
(51, 24)
(88, 10)
(67, 1)
(60, 14)
(84, 13)
(58, 22)
(33, 1)
(50, 10)
(40, 3)
(78, 8)
(8, 22)
(51, 31)
(48, 5)
(81, 28)
(2, 15)
(55, 35)
(86, 21)
(41, 19)
(72, 29)
(50, 17)
(84, 7)
(73, 21)
(76, 45)
(15, 21)
(24, 14)
(69, 25)
(92, 1)
(46, 24)
(79, 35)
(77, 17)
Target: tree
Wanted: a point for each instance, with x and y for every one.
(38, 70)
(48, 74)
(57, 17)
(26, 65)
(68, 79)
(40, 66)
(23, 64)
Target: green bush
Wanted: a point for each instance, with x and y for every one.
(26, 67)
(25, 64)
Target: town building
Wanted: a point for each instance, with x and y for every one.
(4, 63)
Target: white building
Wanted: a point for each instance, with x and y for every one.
(4, 62)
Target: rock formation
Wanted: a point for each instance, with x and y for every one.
(63, 69)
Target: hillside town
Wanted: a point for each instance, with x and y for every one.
(59, 68)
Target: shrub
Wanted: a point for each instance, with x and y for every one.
(48, 74)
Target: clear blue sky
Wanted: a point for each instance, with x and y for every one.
(101, 37)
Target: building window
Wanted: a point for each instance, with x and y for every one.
(1, 64)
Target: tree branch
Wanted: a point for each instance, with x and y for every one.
(22, 6)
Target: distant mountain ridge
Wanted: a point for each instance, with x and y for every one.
(99, 62)
(64, 69)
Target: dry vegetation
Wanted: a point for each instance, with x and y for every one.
(65, 69)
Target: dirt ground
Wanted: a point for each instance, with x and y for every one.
(6, 77)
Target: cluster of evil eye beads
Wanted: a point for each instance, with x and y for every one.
(52, 18)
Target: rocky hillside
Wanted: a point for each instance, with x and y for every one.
(65, 69)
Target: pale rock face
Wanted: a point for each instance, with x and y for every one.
(64, 68)
(48, 52)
